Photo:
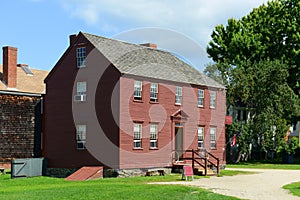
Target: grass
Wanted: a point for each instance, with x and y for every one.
(233, 173)
(294, 188)
(257, 165)
(111, 188)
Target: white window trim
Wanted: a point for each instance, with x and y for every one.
(178, 95)
(138, 87)
(200, 97)
(82, 139)
(213, 137)
(81, 57)
(213, 97)
(201, 141)
(155, 133)
(81, 88)
(154, 90)
(139, 132)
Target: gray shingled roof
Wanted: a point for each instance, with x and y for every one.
(147, 62)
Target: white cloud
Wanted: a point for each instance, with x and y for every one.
(195, 18)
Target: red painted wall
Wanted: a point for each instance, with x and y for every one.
(146, 112)
(59, 129)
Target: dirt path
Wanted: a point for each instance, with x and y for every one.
(263, 185)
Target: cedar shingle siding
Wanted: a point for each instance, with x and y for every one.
(20, 126)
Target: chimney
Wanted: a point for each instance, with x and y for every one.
(72, 39)
(151, 45)
(10, 66)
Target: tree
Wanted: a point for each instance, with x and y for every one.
(270, 32)
(212, 70)
(258, 59)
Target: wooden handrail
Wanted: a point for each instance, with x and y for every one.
(198, 156)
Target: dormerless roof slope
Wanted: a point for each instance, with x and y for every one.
(27, 83)
(148, 62)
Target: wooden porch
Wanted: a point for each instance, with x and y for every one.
(203, 162)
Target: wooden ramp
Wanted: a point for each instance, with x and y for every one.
(86, 173)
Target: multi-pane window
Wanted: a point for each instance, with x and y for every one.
(153, 135)
(137, 135)
(178, 95)
(81, 57)
(80, 91)
(213, 137)
(212, 99)
(200, 98)
(81, 136)
(200, 137)
(138, 87)
(153, 92)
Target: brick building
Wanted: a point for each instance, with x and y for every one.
(21, 90)
(128, 106)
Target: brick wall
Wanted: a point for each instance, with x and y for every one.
(20, 126)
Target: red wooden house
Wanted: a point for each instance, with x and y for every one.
(128, 106)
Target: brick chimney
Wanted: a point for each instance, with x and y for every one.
(151, 45)
(10, 66)
(72, 39)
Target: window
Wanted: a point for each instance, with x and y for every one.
(81, 56)
(212, 99)
(153, 92)
(153, 135)
(212, 137)
(200, 137)
(137, 135)
(81, 92)
(200, 98)
(138, 86)
(81, 136)
(178, 95)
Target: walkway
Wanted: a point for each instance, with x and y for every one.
(263, 184)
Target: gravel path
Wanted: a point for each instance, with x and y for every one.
(264, 185)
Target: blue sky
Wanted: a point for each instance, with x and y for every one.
(40, 29)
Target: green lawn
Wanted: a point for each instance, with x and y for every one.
(265, 166)
(294, 188)
(110, 188)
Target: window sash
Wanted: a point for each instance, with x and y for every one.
(178, 95)
(213, 137)
(81, 56)
(200, 97)
(81, 136)
(137, 135)
(212, 99)
(81, 88)
(153, 91)
(138, 89)
(200, 137)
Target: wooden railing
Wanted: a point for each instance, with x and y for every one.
(200, 156)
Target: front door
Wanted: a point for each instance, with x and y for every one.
(179, 139)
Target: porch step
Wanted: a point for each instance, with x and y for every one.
(201, 171)
(86, 173)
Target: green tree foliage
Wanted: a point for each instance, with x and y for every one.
(270, 32)
(212, 70)
(258, 59)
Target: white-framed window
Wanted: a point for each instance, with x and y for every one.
(200, 98)
(81, 136)
(178, 95)
(213, 136)
(137, 135)
(80, 91)
(153, 135)
(212, 99)
(200, 137)
(138, 88)
(81, 56)
(153, 92)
